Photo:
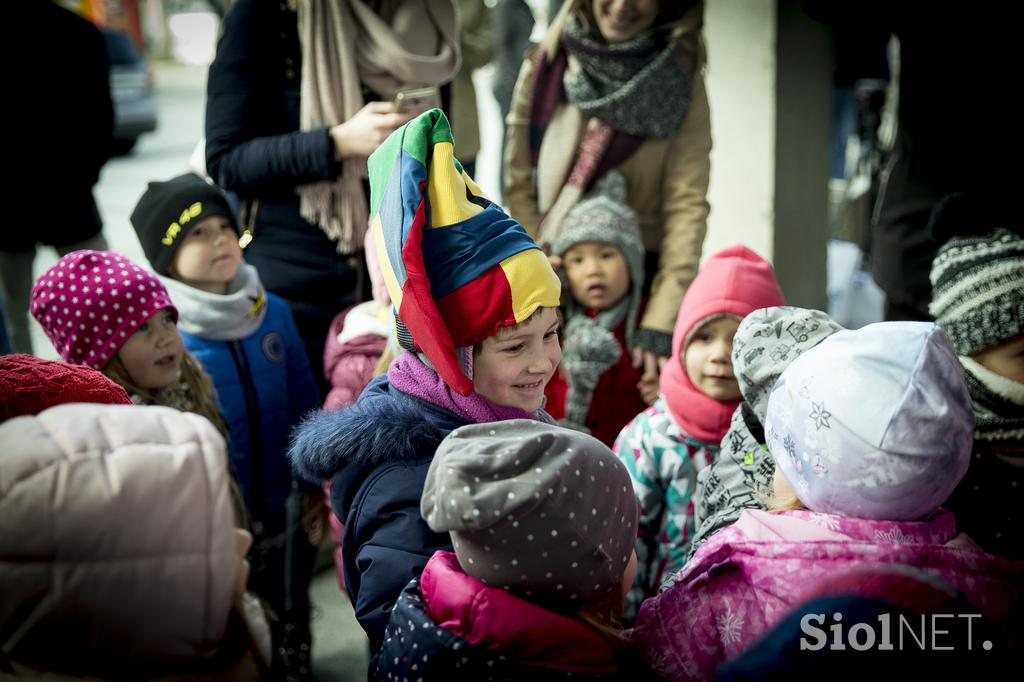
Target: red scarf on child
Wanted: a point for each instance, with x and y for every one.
(697, 414)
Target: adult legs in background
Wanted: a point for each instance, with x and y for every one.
(16, 286)
(282, 566)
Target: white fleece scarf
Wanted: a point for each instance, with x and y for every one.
(221, 317)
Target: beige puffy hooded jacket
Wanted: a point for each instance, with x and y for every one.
(117, 543)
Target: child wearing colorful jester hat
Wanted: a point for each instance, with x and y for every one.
(475, 306)
(667, 445)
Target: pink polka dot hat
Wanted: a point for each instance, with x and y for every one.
(90, 302)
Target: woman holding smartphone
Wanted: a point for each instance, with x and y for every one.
(299, 94)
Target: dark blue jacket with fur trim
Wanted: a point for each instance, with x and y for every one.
(376, 454)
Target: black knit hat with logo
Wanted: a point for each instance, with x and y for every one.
(167, 210)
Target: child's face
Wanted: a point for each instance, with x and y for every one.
(1006, 359)
(152, 355)
(598, 274)
(209, 256)
(512, 367)
(708, 359)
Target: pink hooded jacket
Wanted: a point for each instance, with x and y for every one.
(353, 348)
(746, 578)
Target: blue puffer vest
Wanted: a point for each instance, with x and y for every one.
(265, 387)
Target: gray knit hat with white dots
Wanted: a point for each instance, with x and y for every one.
(535, 508)
(977, 277)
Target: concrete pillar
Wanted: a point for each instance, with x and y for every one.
(770, 90)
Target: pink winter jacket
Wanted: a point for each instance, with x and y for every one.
(354, 345)
(494, 619)
(744, 579)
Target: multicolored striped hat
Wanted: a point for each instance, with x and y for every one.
(457, 267)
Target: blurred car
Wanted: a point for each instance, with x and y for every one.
(131, 89)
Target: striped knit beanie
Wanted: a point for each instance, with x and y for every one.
(977, 277)
(457, 267)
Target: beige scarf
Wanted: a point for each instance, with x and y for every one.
(345, 45)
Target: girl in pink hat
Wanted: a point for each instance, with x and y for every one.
(100, 309)
(668, 444)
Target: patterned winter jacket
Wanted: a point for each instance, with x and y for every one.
(450, 626)
(663, 463)
(745, 578)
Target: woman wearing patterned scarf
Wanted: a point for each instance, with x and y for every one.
(619, 85)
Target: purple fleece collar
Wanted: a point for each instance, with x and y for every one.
(410, 376)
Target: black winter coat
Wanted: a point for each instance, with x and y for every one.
(254, 149)
(62, 128)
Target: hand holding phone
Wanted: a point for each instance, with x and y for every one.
(359, 136)
(416, 100)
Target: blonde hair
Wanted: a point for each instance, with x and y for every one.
(605, 618)
(384, 361)
(194, 392)
(783, 500)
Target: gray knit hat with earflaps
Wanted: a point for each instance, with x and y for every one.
(591, 348)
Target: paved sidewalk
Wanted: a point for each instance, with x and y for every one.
(340, 648)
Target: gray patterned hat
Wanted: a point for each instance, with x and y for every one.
(534, 508)
(977, 279)
(874, 423)
(604, 216)
(767, 340)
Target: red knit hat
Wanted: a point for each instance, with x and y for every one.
(29, 385)
(90, 302)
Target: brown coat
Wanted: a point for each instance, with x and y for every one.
(666, 180)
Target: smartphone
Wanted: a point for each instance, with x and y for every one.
(416, 100)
